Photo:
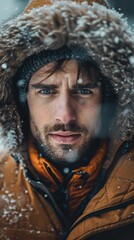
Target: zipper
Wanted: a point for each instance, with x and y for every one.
(44, 191)
(64, 184)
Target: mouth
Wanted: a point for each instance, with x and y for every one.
(65, 137)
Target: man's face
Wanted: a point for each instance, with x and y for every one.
(64, 111)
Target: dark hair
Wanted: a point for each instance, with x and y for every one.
(83, 66)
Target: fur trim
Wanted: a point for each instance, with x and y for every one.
(106, 36)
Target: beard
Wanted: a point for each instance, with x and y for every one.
(65, 154)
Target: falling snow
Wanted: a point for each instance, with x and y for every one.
(66, 170)
(72, 155)
(4, 65)
(131, 59)
(80, 80)
(116, 40)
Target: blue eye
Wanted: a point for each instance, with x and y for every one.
(45, 91)
(84, 91)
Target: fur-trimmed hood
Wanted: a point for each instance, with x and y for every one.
(102, 31)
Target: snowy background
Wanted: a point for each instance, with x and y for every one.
(9, 8)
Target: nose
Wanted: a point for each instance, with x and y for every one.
(65, 111)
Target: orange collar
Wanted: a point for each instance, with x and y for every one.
(82, 180)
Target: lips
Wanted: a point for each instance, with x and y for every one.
(65, 137)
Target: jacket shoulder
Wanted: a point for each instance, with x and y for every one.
(24, 213)
(112, 208)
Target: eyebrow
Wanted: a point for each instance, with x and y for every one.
(86, 85)
(42, 85)
(78, 85)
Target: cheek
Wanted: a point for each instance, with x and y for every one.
(39, 113)
(91, 116)
(96, 119)
(91, 111)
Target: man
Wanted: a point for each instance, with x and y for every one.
(66, 102)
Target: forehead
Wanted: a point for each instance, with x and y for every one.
(54, 71)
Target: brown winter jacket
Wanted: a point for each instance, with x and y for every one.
(27, 211)
(27, 208)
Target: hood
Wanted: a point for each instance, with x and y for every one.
(100, 30)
